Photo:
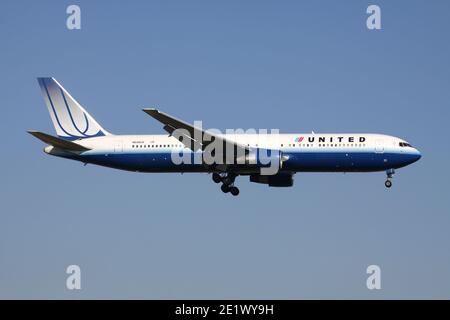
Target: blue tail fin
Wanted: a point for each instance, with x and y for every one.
(70, 119)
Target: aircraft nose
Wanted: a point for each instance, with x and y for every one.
(417, 155)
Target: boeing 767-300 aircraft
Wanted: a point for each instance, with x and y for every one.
(271, 159)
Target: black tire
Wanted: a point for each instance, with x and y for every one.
(227, 180)
(234, 191)
(225, 188)
(216, 178)
(388, 183)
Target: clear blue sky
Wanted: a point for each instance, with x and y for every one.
(293, 65)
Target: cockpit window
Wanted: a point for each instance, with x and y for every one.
(405, 144)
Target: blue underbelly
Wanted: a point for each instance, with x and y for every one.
(145, 162)
(341, 161)
(298, 161)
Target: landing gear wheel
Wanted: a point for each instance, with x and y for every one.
(389, 174)
(228, 180)
(225, 188)
(216, 178)
(234, 191)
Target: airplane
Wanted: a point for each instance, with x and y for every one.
(225, 156)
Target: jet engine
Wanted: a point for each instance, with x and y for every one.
(281, 179)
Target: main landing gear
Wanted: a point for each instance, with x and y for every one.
(389, 174)
(227, 182)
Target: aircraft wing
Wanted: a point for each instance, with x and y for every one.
(193, 137)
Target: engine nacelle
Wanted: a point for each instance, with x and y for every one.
(281, 179)
(270, 160)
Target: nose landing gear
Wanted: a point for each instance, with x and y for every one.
(227, 183)
(389, 174)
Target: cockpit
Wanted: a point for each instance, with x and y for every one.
(405, 144)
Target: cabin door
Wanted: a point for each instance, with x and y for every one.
(118, 146)
(379, 146)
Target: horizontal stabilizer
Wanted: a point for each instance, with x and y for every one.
(58, 142)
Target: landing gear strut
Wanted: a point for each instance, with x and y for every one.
(389, 174)
(227, 182)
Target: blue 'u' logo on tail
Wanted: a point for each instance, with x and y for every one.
(70, 119)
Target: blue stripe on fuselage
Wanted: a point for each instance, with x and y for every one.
(346, 161)
(298, 161)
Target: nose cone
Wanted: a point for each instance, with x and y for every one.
(416, 155)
